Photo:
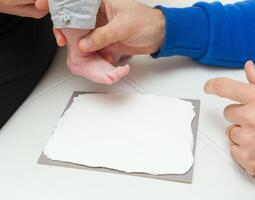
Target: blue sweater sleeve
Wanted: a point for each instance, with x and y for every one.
(211, 33)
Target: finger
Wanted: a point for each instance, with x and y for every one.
(242, 157)
(107, 56)
(250, 71)
(101, 37)
(233, 113)
(42, 4)
(110, 57)
(244, 136)
(236, 153)
(116, 58)
(241, 114)
(60, 38)
(231, 89)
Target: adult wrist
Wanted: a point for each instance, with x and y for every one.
(160, 29)
(186, 32)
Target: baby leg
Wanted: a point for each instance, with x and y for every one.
(91, 66)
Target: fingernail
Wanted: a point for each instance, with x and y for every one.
(248, 64)
(251, 62)
(86, 44)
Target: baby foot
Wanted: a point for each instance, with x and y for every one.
(91, 66)
(118, 73)
(96, 69)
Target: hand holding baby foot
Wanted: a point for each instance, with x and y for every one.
(75, 24)
(108, 56)
(91, 66)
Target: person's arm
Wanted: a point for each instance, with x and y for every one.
(211, 33)
(24, 8)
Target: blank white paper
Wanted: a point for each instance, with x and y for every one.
(130, 133)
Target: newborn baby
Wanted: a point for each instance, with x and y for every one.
(76, 18)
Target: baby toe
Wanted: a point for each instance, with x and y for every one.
(123, 71)
(108, 80)
(114, 76)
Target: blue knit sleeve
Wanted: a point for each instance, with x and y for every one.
(211, 33)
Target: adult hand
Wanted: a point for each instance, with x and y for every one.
(24, 8)
(242, 115)
(124, 27)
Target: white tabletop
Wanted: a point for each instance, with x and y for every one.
(23, 138)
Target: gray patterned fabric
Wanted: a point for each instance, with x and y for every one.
(78, 14)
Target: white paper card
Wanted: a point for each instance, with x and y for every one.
(130, 133)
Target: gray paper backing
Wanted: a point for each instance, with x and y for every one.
(186, 178)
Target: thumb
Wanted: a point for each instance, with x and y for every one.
(101, 37)
(250, 71)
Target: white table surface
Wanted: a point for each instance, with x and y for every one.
(23, 138)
